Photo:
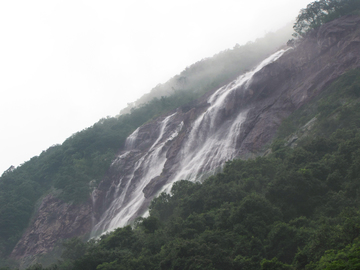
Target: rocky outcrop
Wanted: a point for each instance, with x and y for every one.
(297, 77)
(272, 94)
(155, 152)
(55, 220)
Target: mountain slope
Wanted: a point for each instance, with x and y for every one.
(272, 94)
(234, 121)
(295, 208)
(67, 173)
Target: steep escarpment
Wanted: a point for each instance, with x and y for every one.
(54, 220)
(237, 120)
(295, 208)
(297, 77)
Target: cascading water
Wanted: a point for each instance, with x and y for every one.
(128, 200)
(209, 142)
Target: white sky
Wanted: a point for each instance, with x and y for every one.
(66, 64)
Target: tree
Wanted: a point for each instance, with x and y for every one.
(321, 11)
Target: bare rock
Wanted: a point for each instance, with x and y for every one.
(274, 92)
(54, 220)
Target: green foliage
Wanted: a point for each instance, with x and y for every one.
(347, 258)
(73, 167)
(291, 215)
(289, 208)
(75, 248)
(294, 209)
(322, 11)
(274, 264)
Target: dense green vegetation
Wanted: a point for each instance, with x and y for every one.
(297, 208)
(322, 11)
(72, 169)
(294, 209)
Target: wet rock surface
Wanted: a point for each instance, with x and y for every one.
(272, 94)
(54, 220)
(297, 77)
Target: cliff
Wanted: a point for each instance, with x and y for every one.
(238, 120)
(54, 220)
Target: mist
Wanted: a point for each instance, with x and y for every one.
(66, 64)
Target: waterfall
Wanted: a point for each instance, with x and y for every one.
(209, 142)
(128, 200)
(218, 140)
(130, 141)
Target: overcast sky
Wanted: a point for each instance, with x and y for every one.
(66, 64)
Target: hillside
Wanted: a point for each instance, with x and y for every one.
(296, 205)
(296, 208)
(66, 174)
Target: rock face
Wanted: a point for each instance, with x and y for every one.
(234, 121)
(298, 76)
(54, 220)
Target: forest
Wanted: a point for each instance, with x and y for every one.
(72, 169)
(322, 11)
(295, 208)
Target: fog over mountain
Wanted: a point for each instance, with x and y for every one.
(66, 64)
(246, 159)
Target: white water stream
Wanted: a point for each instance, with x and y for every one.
(209, 144)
